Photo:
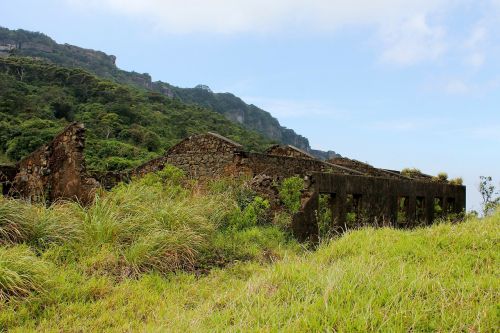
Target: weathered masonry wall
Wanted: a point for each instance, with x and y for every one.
(211, 155)
(56, 171)
(200, 156)
(381, 201)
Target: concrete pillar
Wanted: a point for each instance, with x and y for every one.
(393, 209)
(429, 209)
(411, 214)
(339, 210)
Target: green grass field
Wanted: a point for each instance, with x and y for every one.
(163, 254)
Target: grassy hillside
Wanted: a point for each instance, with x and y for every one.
(126, 126)
(209, 259)
(38, 45)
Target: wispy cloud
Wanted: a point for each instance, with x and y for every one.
(412, 41)
(235, 16)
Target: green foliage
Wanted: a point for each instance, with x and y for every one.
(125, 127)
(254, 213)
(289, 192)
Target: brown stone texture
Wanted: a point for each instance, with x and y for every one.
(56, 170)
(200, 156)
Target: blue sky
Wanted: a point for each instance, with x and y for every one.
(412, 83)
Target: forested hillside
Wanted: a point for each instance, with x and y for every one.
(38, 45)
(126, 125)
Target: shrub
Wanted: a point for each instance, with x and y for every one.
(457, 181)
(441, 177)
(411, 172)
(21, 272)
(255, 213)
(289, 192)
(238, 189)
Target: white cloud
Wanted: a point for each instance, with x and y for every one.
(456, 87)
(475, 44)
(236, 16)
(406, 32)
(413, 41)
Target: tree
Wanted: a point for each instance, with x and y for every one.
(490, 195)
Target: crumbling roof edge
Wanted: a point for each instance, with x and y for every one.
(293, 147)
(234, 143)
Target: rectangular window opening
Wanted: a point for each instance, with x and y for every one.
(403, 209)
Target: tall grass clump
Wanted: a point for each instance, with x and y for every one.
(21, 272)
(37, 225)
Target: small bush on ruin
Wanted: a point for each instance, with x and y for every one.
(411, 172)
(457, 181)
(441, 177)
(289, 192)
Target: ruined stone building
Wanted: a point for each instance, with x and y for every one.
(357, 193)
(54, 171)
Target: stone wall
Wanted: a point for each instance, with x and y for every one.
(200, 156)
(56, 170)
(211, 155)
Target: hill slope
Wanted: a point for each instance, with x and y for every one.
(109, 267)
(25, 43)
(126, 125)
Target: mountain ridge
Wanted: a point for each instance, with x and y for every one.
(38, 45)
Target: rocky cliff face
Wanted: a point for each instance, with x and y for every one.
(37, 45)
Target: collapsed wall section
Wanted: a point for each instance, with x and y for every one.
(56, 170)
